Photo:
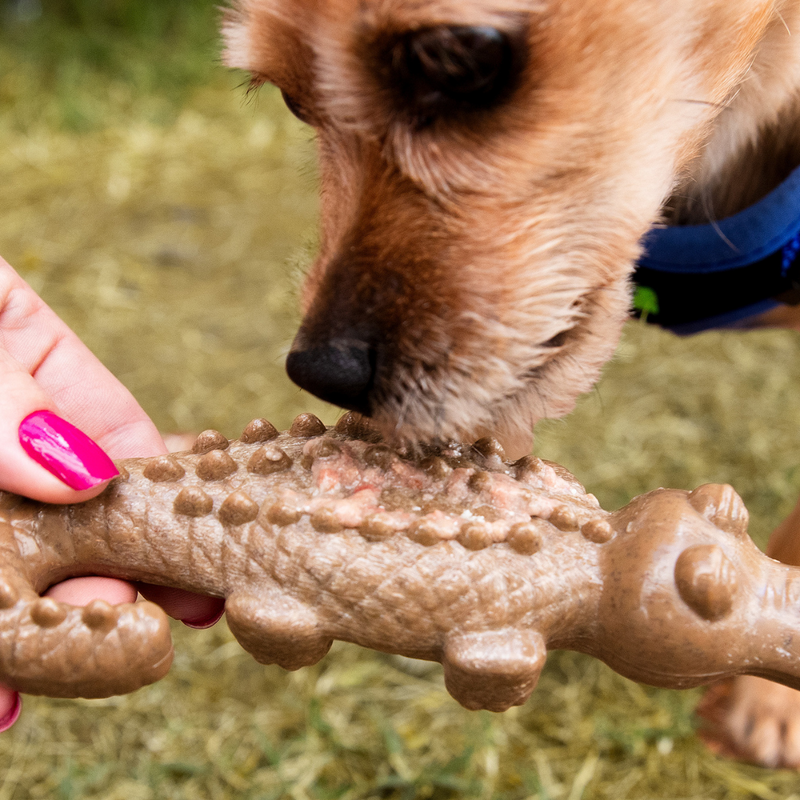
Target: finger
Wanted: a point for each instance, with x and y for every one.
(194, 610)
(10, 707)
(45, 368)
(73, 380)
(81, 591)
(42, 455)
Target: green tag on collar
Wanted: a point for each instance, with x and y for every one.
(645, 301)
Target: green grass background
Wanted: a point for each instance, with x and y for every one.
(167, 219)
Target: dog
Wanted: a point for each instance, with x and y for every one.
(490, 172)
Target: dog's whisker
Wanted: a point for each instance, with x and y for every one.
(408, 399)
(724, 106)
(707, 208)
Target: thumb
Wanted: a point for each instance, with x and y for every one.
(42, 455)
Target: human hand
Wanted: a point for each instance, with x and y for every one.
(48, 376)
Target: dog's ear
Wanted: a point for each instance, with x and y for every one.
(447, 69)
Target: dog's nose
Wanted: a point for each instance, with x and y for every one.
(340, 371)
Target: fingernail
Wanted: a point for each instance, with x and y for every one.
(65, 451)
(204, 622)
(13, 715)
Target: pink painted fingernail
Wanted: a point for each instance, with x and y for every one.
(205, 622)
(65, 451)
(13, 715)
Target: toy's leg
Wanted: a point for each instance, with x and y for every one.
(276, 629)
(761, 719)
(493, 669)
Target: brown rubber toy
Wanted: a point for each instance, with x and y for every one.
(450, 555)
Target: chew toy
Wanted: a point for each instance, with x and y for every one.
(448, 554)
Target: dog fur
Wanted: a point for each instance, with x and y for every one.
(490, 254)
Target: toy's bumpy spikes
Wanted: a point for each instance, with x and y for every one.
(448, 554)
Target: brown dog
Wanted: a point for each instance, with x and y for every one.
(489, 168)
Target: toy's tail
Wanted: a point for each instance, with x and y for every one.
(49, 647)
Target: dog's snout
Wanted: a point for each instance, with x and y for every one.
(339, 371)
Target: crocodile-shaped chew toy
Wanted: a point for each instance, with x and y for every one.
(451, 555)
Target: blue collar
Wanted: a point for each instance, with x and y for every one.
(691, 278)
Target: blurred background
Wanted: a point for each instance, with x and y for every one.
(167, 217)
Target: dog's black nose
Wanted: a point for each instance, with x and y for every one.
(340, 372)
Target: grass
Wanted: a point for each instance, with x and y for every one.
(166, 228)
(78, 64)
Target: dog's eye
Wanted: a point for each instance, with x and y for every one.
(297, 109)
(449, 68)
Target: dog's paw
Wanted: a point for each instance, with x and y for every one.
(754, 720)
